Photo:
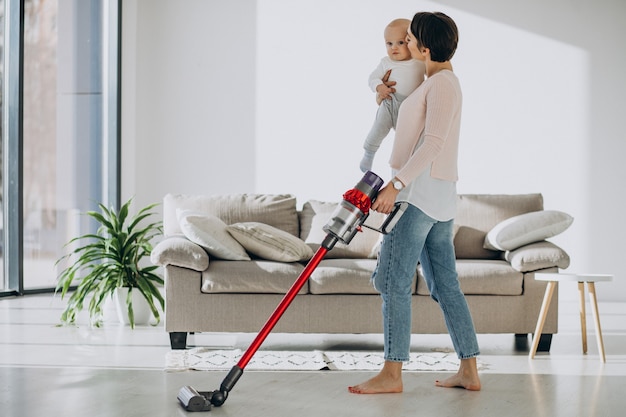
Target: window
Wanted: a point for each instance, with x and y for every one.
(68, 135)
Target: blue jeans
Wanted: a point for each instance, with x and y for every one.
(415, 237)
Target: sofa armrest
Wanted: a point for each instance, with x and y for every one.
(180, 251)
(539, 255)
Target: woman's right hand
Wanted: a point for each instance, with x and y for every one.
(386, 199)
(384, 90)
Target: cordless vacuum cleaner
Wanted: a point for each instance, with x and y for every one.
(345, 222)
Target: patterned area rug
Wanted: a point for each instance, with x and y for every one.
(203, 359)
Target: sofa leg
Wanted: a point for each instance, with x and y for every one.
(521, 342)
(178, 340)
(545, 341)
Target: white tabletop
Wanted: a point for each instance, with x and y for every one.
(553, 276)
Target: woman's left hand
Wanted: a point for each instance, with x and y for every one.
(385, 200)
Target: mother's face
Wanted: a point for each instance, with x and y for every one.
(413, 47)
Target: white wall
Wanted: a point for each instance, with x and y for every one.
(271, 96)
(188, 85)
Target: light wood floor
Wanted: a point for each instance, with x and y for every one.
(47, 370)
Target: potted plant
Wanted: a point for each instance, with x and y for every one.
(111, 259)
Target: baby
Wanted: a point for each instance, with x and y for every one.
(397, 67)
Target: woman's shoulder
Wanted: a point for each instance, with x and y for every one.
(444, 79)
(447, 88)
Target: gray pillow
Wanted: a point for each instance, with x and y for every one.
(269, 242)
(180, 251)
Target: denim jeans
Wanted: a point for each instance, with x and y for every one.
(415, 237)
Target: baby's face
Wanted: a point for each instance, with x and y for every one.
(395, 41)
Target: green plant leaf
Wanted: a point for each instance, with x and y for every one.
(111, 258)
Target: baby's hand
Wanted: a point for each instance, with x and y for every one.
(367, 161)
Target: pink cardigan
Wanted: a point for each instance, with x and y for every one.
(434, 110)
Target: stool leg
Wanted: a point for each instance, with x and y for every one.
(545, 306)
(596, 317)
(583, 315)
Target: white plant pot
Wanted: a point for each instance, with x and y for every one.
(141, 309)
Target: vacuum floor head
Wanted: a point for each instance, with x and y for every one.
(192, 400)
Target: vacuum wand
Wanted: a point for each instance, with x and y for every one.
(343, 225)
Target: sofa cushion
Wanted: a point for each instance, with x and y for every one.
(343, 276)
(270, 243)
(278, 210)
(467, 244)
(314, 216)
(477, 214)
(482, 277)
(537, 256)
(210, 232)
(521, 230)
(180, 251)
(256, 276)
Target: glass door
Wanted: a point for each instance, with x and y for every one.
(67, 139)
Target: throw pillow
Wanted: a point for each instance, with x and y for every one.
(539, 255)
(269, 242)
(180, 251)
(210, 232)
(521, 230)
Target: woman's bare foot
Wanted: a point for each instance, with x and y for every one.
(466, 377)
(389, 380)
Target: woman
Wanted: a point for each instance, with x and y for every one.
(424, 165)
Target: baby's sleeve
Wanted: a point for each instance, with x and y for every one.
(376, 77)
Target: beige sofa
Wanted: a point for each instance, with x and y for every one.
(207, 294)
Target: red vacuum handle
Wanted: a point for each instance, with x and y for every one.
(282, 307)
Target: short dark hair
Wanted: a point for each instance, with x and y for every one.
(437, 32)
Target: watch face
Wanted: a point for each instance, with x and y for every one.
(397, 185)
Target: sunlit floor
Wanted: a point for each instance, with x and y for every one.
(115, 371)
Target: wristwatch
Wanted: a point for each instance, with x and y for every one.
(397, 184)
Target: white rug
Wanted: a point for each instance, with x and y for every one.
(203, 359)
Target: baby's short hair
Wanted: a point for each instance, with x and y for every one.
(399, 22)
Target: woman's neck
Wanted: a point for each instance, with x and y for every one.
(433, 67)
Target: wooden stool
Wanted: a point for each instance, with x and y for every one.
(553, 279)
